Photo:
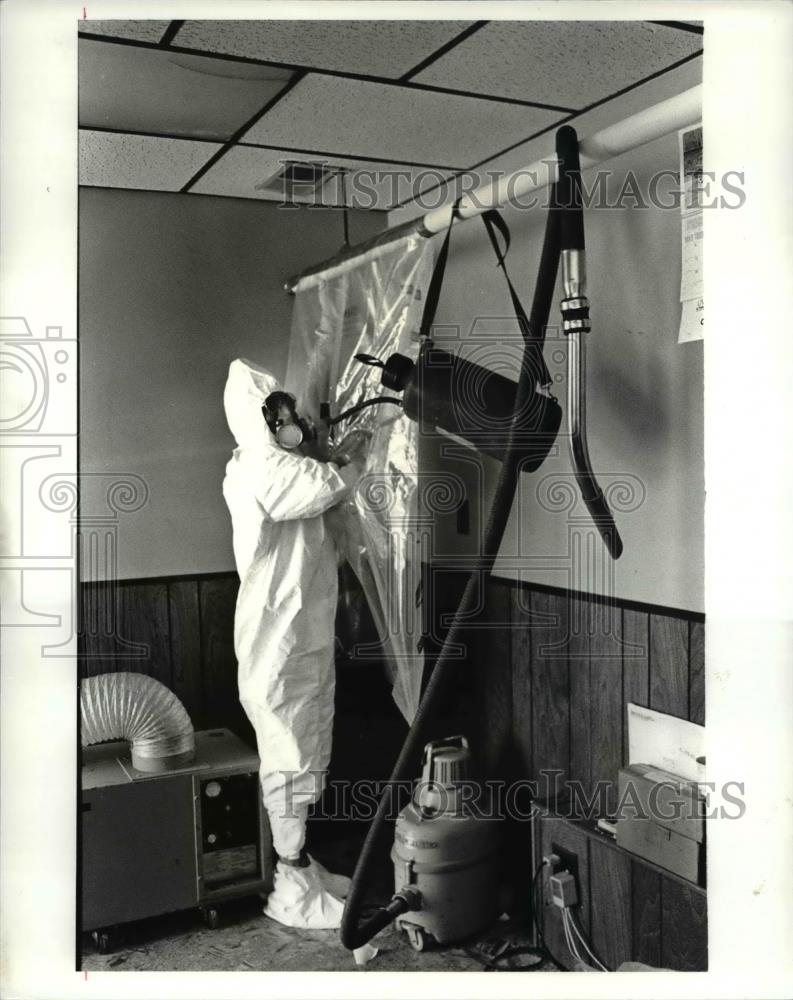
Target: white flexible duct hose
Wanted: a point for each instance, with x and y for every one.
(140, 709)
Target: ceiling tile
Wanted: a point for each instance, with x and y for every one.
(357, 118)
(247, 172)
(153, 90)
(139, 31)
(136, 161)
(565, 63)
(377, 48)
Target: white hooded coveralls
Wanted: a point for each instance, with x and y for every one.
(284, 621)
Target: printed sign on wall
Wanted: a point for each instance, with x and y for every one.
(692, 315)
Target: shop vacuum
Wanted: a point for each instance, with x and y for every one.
(445, 856)
(446, 851)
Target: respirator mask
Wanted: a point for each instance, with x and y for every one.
(281, 416)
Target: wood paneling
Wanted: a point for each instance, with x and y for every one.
(550, 690)
(696, 683)
(635, 666)
(629, 911)
(217, 599)
(580, 693)
(493, 680)
(610, 877)
(606, 687)
(124, 626)
(669, 665)
(520, 656)
(645, 906)
(159, 628)
(185, 642)
(684, 927)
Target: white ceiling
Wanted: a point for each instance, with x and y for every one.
(394, 124)
(142, 31)
(380, 48)
(134, 89)
(140, 161)
(600, 57)
(243, 171)
(214, 107)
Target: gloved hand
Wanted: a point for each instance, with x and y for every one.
(351, 449)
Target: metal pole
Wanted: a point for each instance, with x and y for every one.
(643, 127)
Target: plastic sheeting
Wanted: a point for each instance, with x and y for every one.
(372, 305)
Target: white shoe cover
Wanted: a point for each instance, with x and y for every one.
(299, 899)
(337, 885)
(365, 954)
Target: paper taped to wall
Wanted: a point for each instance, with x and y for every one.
(691, 253)
(692, 184)
(692, 321)
(666, 742)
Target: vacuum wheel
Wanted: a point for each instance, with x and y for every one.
(104, 941)
(211, 918)
(418, 938)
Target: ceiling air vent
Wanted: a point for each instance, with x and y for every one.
(296, 178)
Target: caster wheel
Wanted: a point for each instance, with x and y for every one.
(212, 918)
(103, 941)
(418, 938)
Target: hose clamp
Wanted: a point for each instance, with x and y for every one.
(410, 896)
(575, 315)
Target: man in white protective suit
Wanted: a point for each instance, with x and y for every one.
(284, 627)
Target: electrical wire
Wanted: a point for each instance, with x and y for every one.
(583, 941)
(569, 937)
(505, 951)
(492, 962)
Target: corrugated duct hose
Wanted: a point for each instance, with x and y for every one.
(565, 202)
(137, 708)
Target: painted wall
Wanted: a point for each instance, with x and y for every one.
(645, 392)
(171, 289)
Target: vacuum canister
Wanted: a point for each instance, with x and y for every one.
(446, 848)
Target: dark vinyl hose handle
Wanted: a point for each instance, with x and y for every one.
(568, 190)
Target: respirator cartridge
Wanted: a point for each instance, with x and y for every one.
(290, 430)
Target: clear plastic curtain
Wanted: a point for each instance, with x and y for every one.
(372, 305)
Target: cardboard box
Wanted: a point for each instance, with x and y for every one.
(661, 818)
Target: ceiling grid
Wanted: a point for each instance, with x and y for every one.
(218, 107)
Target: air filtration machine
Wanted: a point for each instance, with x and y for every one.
(171, 819)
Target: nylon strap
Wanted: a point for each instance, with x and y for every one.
(493, 223)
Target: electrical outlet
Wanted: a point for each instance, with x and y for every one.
(568, 861)
(563, 890)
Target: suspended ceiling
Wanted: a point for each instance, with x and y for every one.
(384, 109)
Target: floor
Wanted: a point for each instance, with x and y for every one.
(246, 940)
(249, 941)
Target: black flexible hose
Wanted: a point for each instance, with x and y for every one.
(362, 406)
(353, 933)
